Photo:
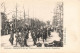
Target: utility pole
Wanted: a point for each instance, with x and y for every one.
(28, 13)
(29, 20)
(24, 15)
(33, 13)
(16, 18)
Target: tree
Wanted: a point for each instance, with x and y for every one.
(58, 16)
(3, 20)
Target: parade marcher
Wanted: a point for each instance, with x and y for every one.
(49, 33)
(34, 37)
(44, 34)
(11, 39)
(45, 31)
(22, 37)
(41, 33)
(38, 34)
(26, 37)
(17, 37)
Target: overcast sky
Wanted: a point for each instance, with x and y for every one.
(40, 9)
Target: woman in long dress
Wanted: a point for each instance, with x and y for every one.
(30, 39)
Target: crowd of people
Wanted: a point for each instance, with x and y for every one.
(36, 33)
(23, 35)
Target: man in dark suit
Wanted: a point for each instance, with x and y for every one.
(17, 37)
(26, 37)
(49, 32)
(44, 34)
(38, 34)
(34, 37)
(11, 39)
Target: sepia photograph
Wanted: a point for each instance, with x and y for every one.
(30, 25)
(39, 26)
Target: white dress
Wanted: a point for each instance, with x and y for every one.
(30, 40)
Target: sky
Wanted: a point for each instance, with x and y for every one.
(40, 9)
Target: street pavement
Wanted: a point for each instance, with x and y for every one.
(5, 40)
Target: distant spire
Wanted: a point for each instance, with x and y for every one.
(28, 13)
(16, 16)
